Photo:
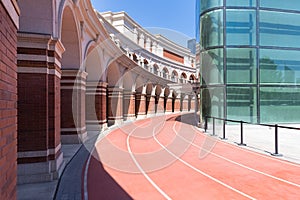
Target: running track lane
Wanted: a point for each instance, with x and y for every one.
(162, 158)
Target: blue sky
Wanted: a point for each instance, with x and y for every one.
(172, 18)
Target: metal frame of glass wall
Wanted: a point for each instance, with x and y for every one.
(250, 59)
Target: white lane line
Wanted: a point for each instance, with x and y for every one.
(141, 169)
(252, 152)
(100, 137)
(203, 173)
(239, 164)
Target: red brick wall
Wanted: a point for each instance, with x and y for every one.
(8, 106)
(173, 56)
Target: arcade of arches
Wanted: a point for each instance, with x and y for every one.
(71, 78)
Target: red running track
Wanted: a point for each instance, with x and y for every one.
(168, 158)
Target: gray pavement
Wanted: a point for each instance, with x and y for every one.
(46, 190)
(262, 139)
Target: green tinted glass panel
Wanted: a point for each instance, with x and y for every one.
(279, 66)
(280, 105)
(207, 4)
(213, 102)
(245, 3)
(241, 65)
(240, 27)
(212, 66)
(279, 4)
(242, 103)
(279, 29)
(211, 29)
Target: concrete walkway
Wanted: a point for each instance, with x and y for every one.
(262, 139)
(46, 190)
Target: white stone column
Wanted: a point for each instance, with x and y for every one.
(142, 40)
(135, 35)
(148, 44)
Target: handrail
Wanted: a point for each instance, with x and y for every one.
(276, 126)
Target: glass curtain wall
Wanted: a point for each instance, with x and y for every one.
(250, 59)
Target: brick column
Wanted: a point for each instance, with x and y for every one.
(39, 147)
(115, 105)
(169, 103)
(176, 103)
(140, 105)
(8, 100)
(129, 105)
(184, 105)
(150, 108)
(194, 103)
(190, 102)
(73, 86)
(160, 104)
(96, 119)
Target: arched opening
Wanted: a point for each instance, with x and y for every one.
(174, 76)
(96, 89)
(115, 93)
(70, 40)
(149, 102)
(155, 69)
(183, 77)
(192, 78)
(72, 95)
(129, 95)
(165, 73)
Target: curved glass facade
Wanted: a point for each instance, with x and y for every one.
(250, 59)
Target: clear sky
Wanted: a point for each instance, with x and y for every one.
(172, 18)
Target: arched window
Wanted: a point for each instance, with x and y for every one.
(174, 76)
(155, 69)
(165, 73)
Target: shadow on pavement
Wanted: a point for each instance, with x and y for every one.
(189, 118)
(101, 185)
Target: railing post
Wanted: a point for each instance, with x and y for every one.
(224, 130)
(276, 142)
(242, 135)
(205, 124)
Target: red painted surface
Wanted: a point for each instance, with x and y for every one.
(180, 162)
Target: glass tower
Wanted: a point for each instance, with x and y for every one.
(250, 59)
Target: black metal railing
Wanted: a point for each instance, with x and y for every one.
(241, 143)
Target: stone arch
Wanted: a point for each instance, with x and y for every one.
(158, 101)
(73, 81)
(129, 79)
(140, 97)
(174, 76)
(70, 38)
(183, 77)
(155, 69)
(96, 89)
(192, 77)
(165, 72)
(149, 89)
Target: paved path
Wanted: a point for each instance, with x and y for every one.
(167, 158)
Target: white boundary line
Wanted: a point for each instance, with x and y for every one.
(236, 163)
(203, 173)
(141, 169)
(106, 133)
(251, 151)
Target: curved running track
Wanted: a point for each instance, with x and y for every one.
(167, 158)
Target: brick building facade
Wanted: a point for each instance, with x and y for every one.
(61, 76)
(8, 99)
